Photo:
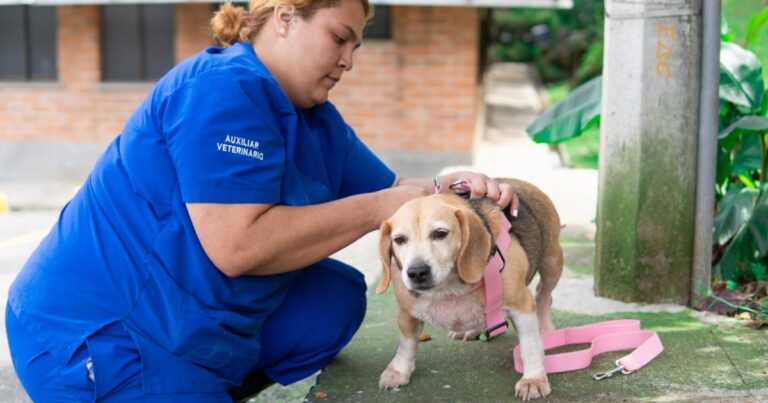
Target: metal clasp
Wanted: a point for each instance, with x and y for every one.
(603, 375)
(461, 187)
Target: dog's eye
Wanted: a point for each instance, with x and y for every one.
(439, 234)
(400, 239)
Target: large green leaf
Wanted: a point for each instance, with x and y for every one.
(747, 156)
(741, 77)
(570, 117)
(758, 223)
(735, 210)
(737, 256)
(754, 26)
(752, 123)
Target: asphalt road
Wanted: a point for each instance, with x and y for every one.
(20, 232)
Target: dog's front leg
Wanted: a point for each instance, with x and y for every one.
(534, 383)
(401, 367)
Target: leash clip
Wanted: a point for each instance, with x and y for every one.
(487, 334)
(603, 375)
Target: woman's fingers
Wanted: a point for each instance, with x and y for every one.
(507, 194)
(481, 185)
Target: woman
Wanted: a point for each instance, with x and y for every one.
(192, 264)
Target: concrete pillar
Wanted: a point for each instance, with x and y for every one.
(649, 127)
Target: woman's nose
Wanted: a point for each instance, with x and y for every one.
(345, 61)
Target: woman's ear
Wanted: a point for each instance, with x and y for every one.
(385, 253)
(284, 18)
(475, 244)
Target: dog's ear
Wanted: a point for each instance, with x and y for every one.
(475, 244)
(385, 253)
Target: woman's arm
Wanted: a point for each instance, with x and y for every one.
(263, 239)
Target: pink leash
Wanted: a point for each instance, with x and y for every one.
(612, 335)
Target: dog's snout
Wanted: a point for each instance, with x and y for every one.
(419, 273)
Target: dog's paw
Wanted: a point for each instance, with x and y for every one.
(392, 378)
(532, 388)
(466, 336)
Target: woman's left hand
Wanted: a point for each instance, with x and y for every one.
(480, 186)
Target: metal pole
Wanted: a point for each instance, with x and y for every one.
(707, 155)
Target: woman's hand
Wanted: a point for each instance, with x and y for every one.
(480, 186)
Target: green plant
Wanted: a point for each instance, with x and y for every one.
(563, 44)
(741, 223)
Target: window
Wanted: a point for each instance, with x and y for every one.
(378, 28)
(136, 41)
(27, 43)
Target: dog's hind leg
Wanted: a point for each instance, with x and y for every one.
(399, 370)
(550, 269)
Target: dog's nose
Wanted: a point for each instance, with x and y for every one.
(419, 272)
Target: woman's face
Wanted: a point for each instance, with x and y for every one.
(319, 51)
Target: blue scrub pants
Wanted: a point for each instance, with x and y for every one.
(319, 316)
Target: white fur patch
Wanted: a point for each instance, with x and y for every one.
(531, 348)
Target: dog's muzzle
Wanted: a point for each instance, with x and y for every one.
(420, 276)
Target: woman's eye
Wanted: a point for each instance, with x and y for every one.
(400, 239)
(339, 40)
(439, 234)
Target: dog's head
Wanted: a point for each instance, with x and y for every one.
(438, 244)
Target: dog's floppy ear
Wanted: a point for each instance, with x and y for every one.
(385, 253)
(475, 244)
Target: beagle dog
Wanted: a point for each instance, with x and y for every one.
(434, 251)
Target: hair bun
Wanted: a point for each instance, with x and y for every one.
(227, 24)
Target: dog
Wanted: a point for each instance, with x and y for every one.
(434, 250)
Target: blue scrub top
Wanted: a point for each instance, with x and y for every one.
(218, 129)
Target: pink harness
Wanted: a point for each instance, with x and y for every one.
(495, 320)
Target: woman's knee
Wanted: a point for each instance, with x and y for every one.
(337, 292)
(321, 313)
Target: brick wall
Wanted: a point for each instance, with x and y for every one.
(416, 92)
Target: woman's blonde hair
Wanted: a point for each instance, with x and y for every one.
(232, 24)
